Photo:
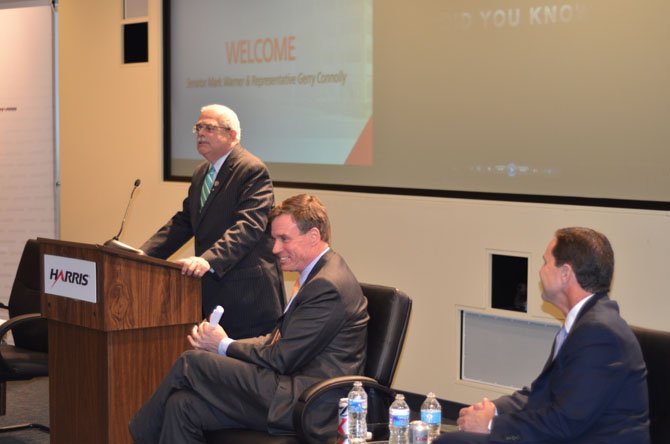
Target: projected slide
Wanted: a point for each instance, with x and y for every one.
(297, 72)
(543, 100)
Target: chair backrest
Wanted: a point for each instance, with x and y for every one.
(655, 345)
(25, 298)
(389, 310)
(315, 413)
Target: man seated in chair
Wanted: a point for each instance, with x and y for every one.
(254, 383)
(593, 388)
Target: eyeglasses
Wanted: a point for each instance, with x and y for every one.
(208, 128)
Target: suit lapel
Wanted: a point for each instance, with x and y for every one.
(276, 333)
(586, 307)
(196, 189)
(317, 267)
(279, 329)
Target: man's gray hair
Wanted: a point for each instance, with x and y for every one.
(226, 117)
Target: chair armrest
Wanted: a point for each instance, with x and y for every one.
(315, 413)
(316, 390)
(18, 320)
(9, 325)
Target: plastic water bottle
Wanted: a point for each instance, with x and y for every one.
(399, 421)
(431, 414)
(358, 411)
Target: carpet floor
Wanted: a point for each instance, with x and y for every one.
(27, 402)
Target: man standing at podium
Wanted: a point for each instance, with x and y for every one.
(227, 210)
(254, 383)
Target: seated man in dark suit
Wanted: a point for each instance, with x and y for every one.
(593, 388)
(254, 383)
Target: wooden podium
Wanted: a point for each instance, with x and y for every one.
(106, 357)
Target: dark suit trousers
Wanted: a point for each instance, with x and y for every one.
(204, 391)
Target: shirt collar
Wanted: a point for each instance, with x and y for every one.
(219, 163)
(308, 269)
(304, 273)
(574, 311)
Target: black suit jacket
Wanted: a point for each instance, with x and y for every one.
(232, 233)
(593, 392)
(323, 335)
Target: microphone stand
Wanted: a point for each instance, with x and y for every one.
(115, 242)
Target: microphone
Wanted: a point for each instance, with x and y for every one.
(114, 242)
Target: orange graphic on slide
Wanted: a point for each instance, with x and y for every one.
(361, 153)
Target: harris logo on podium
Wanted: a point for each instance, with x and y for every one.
(68, 276)
(71, 278)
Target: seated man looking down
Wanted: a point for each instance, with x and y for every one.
(255, 382)
(593, 388)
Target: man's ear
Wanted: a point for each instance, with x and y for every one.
(566, 272)
(314, 234)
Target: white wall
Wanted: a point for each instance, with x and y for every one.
(26, 133)
(437, 251)
(434, 249)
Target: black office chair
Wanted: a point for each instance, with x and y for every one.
(28, 358)
(655, 345)
(315, 414)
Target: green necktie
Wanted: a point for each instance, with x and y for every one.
(207, 185)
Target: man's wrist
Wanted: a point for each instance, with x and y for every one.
(223, 346)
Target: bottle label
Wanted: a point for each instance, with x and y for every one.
(431, 416)
(399, 417)
(355, 406)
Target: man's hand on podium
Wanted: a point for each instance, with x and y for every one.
(194, 266)
(206, 336)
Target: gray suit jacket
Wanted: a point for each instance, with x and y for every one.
(323, 335)
(594, 392)
(232, 234)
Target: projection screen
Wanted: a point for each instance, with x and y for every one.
(551, 101)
